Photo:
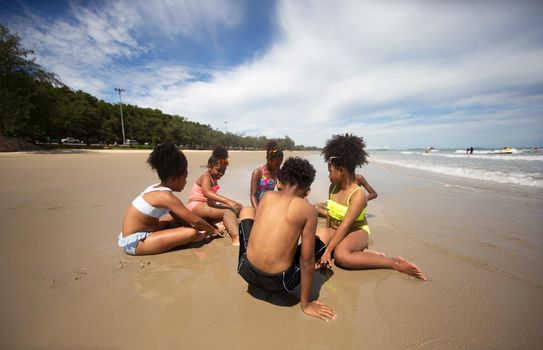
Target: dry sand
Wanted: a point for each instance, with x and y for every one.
(66, 285)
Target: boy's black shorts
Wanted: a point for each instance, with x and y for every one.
(286, 280)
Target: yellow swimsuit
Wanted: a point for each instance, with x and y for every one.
(338, 211)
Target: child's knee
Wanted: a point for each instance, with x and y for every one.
(229, 214)
(341, 257)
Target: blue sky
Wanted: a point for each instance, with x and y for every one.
(448, 74)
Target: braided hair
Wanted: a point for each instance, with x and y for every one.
(273, 150)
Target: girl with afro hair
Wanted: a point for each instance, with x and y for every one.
(347, 232)
(266, 177)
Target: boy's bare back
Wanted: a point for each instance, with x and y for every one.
(279, 223)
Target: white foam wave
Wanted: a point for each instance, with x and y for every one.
(514, 178)
(538, 158)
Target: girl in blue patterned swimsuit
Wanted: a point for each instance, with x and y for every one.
(265, 178)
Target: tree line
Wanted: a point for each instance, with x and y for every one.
(37, 106)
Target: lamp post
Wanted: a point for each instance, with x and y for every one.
(120, 90)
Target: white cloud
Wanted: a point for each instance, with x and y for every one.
(190, 18)
(375, 68)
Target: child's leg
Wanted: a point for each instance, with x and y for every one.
(162, 241)
(227, 216)
(247, 213)
(231, 222)
(350, 254)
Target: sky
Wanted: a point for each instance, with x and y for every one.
(401, 74)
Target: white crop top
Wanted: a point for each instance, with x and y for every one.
(142, 206)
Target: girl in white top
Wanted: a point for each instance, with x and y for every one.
(157, 221)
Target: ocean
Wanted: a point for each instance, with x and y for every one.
(520, 168)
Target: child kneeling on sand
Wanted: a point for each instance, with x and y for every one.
(269, 254)
(151, 223)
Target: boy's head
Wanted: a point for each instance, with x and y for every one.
(345, 151)
(297, 171)
(168, 161)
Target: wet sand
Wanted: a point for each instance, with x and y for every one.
(66, 284)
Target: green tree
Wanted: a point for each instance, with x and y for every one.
(24, 90)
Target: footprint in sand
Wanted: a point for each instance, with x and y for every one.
(53, 205)
(60, 280)
(132, 265)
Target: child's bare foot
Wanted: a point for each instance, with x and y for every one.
(376, 252)
(221, 228)
(409, 268)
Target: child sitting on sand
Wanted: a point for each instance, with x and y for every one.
(204, 200)
(147, 227)
(269, 254)
(359, 180)
(347, 231)
(265, 178)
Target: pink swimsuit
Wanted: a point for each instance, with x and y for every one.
(197, 197)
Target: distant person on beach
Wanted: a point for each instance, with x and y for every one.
(347, 232)
(204, 200)
(269, 254)
(157, 221)
(359, 180)
(265, 177)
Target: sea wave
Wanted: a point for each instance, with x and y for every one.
(514, 178)
(507, 157)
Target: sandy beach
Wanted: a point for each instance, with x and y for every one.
(66, 285)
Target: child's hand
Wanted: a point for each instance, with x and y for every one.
(236, 206)
(326, 259)
(319, 310)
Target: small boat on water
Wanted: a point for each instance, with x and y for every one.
(505, 150)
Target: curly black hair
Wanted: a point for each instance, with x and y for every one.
(297, 171)
(168, 161)
(273, 150)
(220, 152)
(345, 151)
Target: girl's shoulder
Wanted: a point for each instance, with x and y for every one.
(201, 177)
(257, 172)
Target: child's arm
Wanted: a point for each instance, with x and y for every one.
(255, 177)
(361, 181)
(357, 204)
(307, 264)
(209, 194)
(180, 213)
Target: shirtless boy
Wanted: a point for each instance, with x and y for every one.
(272, 259)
